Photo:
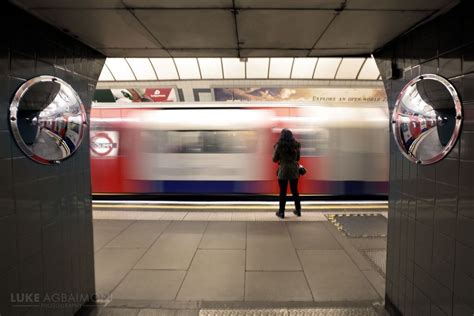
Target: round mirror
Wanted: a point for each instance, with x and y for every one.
(427, 119)
(47, 119)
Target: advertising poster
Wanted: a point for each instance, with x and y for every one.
(136, 95)
(323, 95)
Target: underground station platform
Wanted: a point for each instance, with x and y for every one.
(238, 258)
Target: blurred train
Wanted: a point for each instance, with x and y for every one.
(226, 148)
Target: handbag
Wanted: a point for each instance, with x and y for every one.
(301, 170)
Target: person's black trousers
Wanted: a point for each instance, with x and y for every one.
(294, 190)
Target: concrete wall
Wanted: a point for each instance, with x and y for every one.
(45, 211)
(430, 264)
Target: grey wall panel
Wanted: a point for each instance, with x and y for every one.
(45, 211)
(431, 243)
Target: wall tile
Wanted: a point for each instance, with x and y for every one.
(464, 287)
(461, 308)
(450, 65)
(421, 304)
(446, 187)
(10, 284)
(467, 146)
(8, 246)
(465, 259)
(468, 59)
(447, 171)
(423, 246)
(450, 30)
(35, 256)
(465, 231)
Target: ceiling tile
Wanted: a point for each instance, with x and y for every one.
(333, 52)
(367, 29)
(211, 68)
(134, 52)
(280, 68)
(181, 4)
(59, 4)
(202, 52)
(349, 68)
(256, 52)
(187, 68)
(369, 71)
(281, 29)
(293, 4)
(120, 69)
(399, 4)
(142, 68)
(106, 75)
(326, 68)
(101, 28)
(257, 68)
(303, 68)
(204, 28)
(165, 68)
(233, 68)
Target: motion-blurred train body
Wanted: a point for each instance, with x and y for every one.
(226, 148)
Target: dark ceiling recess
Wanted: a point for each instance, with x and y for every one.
(235, 28)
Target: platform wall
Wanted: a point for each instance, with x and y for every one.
(46, 244)
(430, 268)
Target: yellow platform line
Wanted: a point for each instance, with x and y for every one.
(236, 207)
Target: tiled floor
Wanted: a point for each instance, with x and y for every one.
(191, 257)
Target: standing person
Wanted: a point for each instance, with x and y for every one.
(287, 154)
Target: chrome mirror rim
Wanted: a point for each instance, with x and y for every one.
(396, 130)
(13, 118)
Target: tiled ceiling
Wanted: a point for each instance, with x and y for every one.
(326, 68)
(235, 28)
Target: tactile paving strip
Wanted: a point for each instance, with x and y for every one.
(290, 312)
(360, 225)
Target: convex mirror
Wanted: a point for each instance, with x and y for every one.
(427, 119)
(47, 119)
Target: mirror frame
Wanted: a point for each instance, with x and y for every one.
(457, 128)
(20, 92)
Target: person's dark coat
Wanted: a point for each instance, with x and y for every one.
(288, 162)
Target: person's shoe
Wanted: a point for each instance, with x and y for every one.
(280, 215)
(297, 213)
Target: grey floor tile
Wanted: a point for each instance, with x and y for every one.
(224, 235)
(106, 230)
(119, 312)
(187, 227)
(312, 235)
(197, 216)
(272, 258)
(269, 248)
(157, 312)
(174, 216)
(377, 281)
(140, 234)
(333, 276)
(265, 233)
(111, 265)
(149, 285)
(171, 252)
(215, 275)
(346, 244)
(276, 286)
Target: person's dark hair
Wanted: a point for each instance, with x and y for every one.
(287, 142)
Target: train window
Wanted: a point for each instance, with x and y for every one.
(47, 119)
(427, 119)
(199, 141)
